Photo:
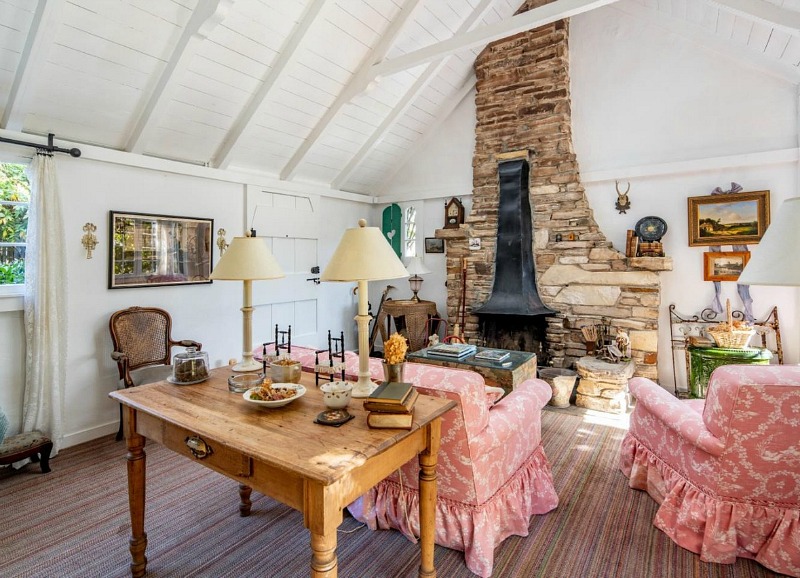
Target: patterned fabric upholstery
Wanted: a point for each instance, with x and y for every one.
(725, 470)
(21, 442)
(492, 472)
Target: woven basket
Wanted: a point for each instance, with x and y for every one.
(735, 339)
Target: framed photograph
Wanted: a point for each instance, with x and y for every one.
(732, 219)
(155, 250)
(434, 245)
(725, 266)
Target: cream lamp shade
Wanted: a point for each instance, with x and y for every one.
(776, 259)
(247, 259)
(363, 255)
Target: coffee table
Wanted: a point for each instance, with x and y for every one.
(516, 368)
(282, 453)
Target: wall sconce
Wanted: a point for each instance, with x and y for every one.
(89, 240)
(222, 245)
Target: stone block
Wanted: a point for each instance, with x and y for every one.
(566, 274)
(618, 405)
(644, 340)
(588, 295)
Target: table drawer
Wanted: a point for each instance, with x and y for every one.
(206, 451)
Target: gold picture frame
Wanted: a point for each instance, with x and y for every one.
(729, 219)
(724, 265)
(155, 250)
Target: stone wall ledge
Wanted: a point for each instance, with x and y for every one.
(651, 263)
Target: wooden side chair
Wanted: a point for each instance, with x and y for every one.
(143, 346)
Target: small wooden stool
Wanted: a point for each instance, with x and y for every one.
(34, 445)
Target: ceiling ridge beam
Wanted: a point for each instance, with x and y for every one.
(406, 100)
(479, 38)
(764, 12)
(445, 113)
(46, 19)
(206, 16)
(287, 54)
(698, 35)
(354, 85)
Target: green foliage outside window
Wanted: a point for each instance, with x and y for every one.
(14, 199)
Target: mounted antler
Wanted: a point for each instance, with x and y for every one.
(623, 203)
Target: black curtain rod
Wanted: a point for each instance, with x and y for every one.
(48, 147)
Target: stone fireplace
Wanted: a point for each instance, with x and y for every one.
(523, 112)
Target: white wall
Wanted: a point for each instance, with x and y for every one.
(207, 313)
(642, 98)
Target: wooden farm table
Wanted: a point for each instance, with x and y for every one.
(280, 452)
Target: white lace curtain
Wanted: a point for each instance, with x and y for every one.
(45, 305)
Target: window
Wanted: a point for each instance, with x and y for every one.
(410, 231)
(14, 200)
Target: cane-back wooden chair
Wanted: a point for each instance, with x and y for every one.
(142, 338)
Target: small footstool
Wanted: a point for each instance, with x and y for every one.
(34, 445)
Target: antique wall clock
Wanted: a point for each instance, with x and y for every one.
(453, 214)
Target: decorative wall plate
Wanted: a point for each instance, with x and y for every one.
(651, 228)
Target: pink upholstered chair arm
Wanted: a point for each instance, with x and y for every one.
(515, 419)
(674, 414)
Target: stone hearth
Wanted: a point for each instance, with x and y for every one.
(523, 109)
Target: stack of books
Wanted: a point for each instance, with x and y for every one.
(452, 350)
(391, 405)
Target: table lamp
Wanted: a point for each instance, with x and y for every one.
(776, 259)
(247, 259)
(416, 267)
(363, 255)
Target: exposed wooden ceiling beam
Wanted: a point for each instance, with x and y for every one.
(481, 37)
(406, 100)
(355, 85)
(288, 51)
(46, 20)
(769, 14)
(443, 115)
(206, 16)
(700, 36)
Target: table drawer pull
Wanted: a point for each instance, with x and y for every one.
(199, 448)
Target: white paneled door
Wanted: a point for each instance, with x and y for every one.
(289, 224)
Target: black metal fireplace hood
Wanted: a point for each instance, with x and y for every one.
(514, 291)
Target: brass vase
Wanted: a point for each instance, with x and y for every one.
(393, 371)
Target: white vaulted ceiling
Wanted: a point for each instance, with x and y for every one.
(332, 92)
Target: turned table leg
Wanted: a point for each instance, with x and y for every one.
(427, 500)
(324, 563)
(244, 497)
(136, 491)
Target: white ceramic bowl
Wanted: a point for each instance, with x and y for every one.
(298, 389)
(336, 394)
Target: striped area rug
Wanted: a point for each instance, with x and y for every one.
(73, 522)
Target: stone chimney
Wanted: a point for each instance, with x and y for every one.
(523, 104)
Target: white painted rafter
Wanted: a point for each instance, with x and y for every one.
(206, 16)
(699, 35)
(288, 53)
(406, 100)
(355, 84)
(764, 12)
(482, 36)
(46, 20)
(444, 114)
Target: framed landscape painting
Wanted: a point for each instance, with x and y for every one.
(731, 219)
(724, 266)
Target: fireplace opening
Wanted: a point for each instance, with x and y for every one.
(516, 333)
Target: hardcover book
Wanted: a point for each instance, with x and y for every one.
(492, 355)
(457, 350)
(393, 392)
(390, 420)
(406, 407)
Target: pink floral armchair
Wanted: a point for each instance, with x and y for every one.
(725, 470)
(492, 471)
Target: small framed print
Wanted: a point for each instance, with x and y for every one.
(724, 266)
(434, 245)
